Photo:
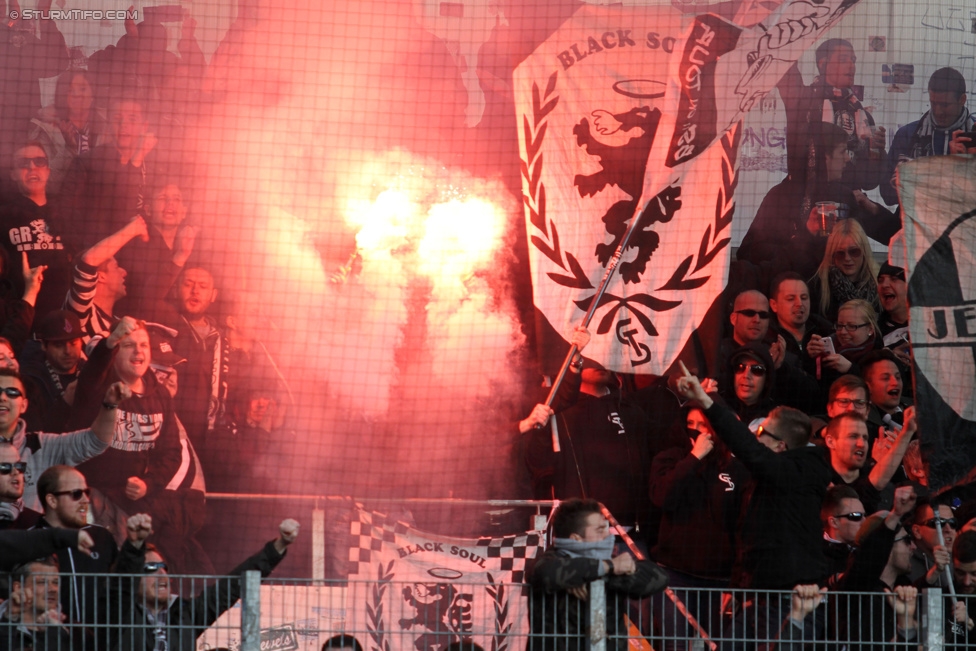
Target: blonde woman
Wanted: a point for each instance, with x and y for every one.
(847, 271)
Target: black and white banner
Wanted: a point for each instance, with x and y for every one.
(938, 199)
(623, 108)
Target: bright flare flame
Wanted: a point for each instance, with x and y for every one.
(459, 238)
(384, 223)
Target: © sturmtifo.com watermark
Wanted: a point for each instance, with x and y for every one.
(74, 14)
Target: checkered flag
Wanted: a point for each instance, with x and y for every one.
(512, 551)
(367, 534)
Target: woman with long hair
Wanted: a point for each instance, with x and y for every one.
(847, 271)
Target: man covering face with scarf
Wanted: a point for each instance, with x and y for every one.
(582, 552)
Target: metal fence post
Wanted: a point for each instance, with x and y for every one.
(251, 611)
(598, 616)
(933, 621)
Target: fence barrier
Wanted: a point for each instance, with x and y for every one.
(434, 611)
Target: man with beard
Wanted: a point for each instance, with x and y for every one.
(64, 494)
(52, 365)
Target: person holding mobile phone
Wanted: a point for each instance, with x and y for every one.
(856, 335)
(935, 133)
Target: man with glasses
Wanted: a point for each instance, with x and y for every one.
(151, 616)
(66, 498)
(40, 450)
(842, 514)
(846, 437)
(30, 223)
(931, 557)
(780, 537)
(13, 513)
(750, 320)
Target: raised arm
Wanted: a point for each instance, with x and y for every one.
(885, 469)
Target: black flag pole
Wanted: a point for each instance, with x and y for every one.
(607, 275)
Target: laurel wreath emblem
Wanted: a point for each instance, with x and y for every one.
(375, 625)
(546, 237)
(499, 641)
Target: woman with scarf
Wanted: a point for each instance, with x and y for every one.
(787, 232)
(856, 335)
(846, 272)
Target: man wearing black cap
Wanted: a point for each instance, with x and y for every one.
(932, 134)
(893, 292)
(51, 365)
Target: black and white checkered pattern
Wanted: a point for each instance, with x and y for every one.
(370, 530)
(513, 552)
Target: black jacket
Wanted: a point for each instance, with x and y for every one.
(561, 620)
(780, 534)
(185, 619)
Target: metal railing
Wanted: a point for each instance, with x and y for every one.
(431, 613)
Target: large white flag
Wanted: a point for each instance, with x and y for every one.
(623, 108)
(938, 200)
(415, 591)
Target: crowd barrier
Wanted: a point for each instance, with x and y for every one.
(429, 613)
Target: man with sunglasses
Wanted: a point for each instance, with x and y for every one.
(932, 557)
(13, 513)
(750, 321)
(780, 537)
(150, 616)
(30, 223)
(66, 499)
(842, 514)
(41, 450)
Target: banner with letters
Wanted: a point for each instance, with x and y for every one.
(938, 199)
(415, 591)
(637, 108)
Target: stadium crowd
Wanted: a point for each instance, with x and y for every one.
(796, 467)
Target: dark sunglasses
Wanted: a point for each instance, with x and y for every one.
(756, 369)
(762, 314)
(762, 431)
(7, 468)
(37, 161)
(853, 517)
(149, 568)
(854, 253)
(946, 522)
(75, 495)
(12, 392)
